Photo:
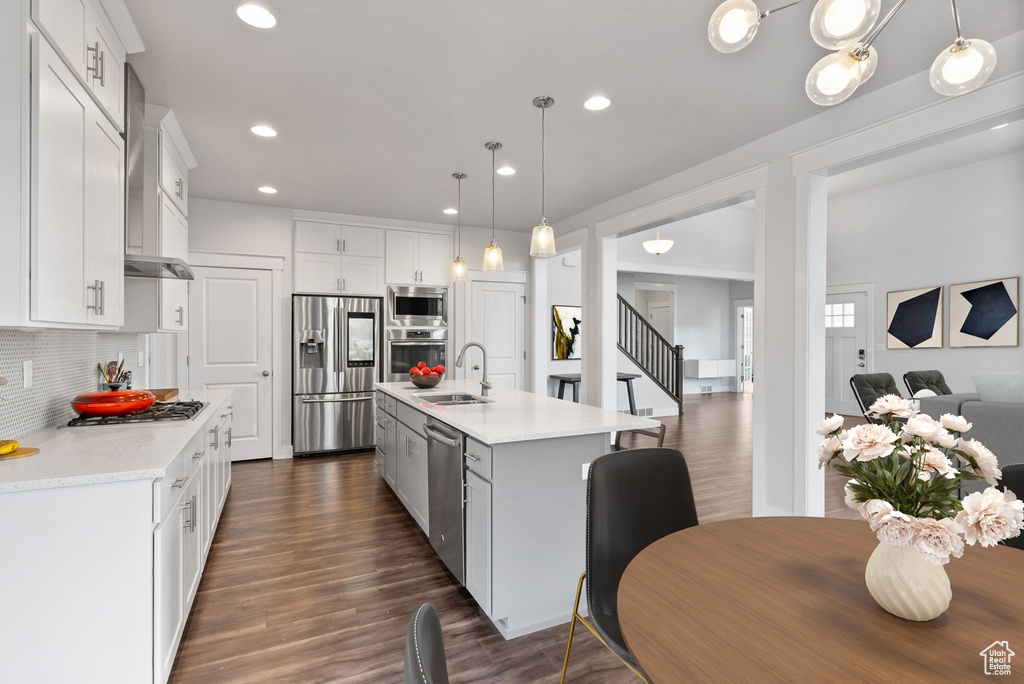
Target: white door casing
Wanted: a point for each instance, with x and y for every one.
(231, 347)
(497, 320)
(845, 349)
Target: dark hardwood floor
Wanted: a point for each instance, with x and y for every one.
(316, 569)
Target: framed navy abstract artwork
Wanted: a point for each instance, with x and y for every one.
(914, 319)
(985, 313)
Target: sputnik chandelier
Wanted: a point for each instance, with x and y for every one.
(848, 28)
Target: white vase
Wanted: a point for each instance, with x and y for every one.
(907, 585)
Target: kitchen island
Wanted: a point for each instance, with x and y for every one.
(103, 538)
(523, 461)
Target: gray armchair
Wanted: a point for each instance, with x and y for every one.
(868, 387)
(926, 380)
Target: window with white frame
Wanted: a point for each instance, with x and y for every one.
(840, 315)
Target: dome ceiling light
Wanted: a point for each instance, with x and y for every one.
(658, 245)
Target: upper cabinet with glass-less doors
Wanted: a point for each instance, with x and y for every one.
(418, 258)
(331, 258)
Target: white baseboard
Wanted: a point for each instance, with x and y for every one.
(283, 451)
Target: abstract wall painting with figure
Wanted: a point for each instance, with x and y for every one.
(914, 319)
(565, 332)
(985, 313)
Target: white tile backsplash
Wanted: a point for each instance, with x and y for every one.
(63, 366)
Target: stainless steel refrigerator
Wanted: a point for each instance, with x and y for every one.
(337, 350)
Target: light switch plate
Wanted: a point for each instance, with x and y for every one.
(26, 374)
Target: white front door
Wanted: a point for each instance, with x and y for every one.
(845, 350)
(231, 346)
(497, 320)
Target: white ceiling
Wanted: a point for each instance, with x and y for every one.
(377, 103)
(968, 149)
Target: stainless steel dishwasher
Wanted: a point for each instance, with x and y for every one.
(445, 447)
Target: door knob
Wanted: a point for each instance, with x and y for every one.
(266, 374)
(476, 367)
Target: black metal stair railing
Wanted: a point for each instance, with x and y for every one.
(659, 359)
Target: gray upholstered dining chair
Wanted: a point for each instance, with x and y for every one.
(868, 387)
(634, 498)
(425, 661)
(1013, 479)
(926, 380)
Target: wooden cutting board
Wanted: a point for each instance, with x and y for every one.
(23, 452)
(164, 394)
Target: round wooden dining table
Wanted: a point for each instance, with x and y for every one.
(784, 600)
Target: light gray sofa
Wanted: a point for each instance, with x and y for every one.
(997, 425)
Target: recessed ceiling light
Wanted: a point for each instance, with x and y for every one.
(267, 189)
(597, 103)
(449, 210)
(996, 128)
(505, 171)
(257, 16)
(263, 131)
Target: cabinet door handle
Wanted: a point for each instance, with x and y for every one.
(181, 315)
(229, 437)
(97, 288)
(344, 246)
(102, 66)
(344, 284)
(339, 284)
(179, 483)
(198, 455)
(95, 68)
(103, 298)
(471, 457)
(216, 437)
(338, 245)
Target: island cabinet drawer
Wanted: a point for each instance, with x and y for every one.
(478, 458)
(413, 419)
(167, 489)
(386, 403)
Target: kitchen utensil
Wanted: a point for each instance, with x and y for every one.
(164, 394)
(121, 403)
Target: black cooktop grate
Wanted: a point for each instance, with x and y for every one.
(159, 412)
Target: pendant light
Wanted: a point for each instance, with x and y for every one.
(459, 265)
(837, 23)
(492, 255)
(963, 66)
(542, 243)
(734, 23)
(658, 245)
(836, 76)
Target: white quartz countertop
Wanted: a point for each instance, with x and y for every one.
(105, 453)
(513, 415)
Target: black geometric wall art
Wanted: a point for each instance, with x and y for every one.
(984, 314)
(914, 318)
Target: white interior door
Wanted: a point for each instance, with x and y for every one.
(659, 314)
(231, 347)
(497, 320)
(845, 350)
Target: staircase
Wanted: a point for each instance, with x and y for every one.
(659, 359)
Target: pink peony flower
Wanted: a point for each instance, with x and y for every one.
(925, 427)
(946, 441)
(897, 529)
(988, 465)
(937, 461)
(874, 511)
(850, 498)
(893, 405)
(868, 442)
(991, 516)
(955, 423)
(830, 425)
(937, 540)
(827, 449)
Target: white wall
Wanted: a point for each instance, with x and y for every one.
(718, 240)
(954, 226)
(564, 287)
(515, 247)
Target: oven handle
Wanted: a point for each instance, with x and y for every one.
(335, 401)
(435, 343)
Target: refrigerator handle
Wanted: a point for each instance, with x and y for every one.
(339, 327)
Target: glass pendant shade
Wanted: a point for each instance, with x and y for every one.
(733, 25)
(962, 67)
(459, 269)
(834, 78)
(492, 258)
(542, 244)
(658, 245)
(867, 65)
(836, 23)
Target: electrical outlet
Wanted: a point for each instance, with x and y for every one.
(586, 470)
(26, 374)
(142, 359)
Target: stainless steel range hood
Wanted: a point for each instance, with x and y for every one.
(139, 266)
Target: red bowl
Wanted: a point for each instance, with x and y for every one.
(121, 403)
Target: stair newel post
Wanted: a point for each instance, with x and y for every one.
(679, 376)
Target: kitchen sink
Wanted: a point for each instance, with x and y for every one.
(452, 399)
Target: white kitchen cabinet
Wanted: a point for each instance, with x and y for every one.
(317, 273)
(173, 173)
(192, 543)
(63, 22)
(169, 604)
(435, 258)
(104, 64)
(224, 462)
(709, 368)
(391, 453)
(173, 243)
(77, 241)
(478, 539)
(317, 238)
(362, 276)
(359, 241)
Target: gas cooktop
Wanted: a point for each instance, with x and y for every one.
(157, 413)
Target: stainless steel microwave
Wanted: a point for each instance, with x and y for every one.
(417, 307)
